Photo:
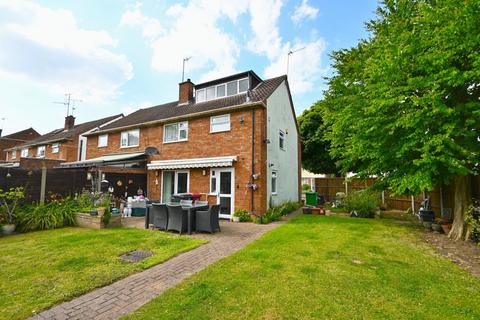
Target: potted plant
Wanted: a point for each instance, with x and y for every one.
(9, 200)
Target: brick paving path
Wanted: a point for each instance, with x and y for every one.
(129, 294)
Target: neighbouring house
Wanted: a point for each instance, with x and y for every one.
(309, 178)
(233, 140)
(60, 145)
(15, 139)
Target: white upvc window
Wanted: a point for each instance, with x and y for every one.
(14, 154)
(220, 123)
(102, 140)
(55, 148)
(130, 138)
(41, 152)
(274, 182)
(213, 181)
(200, 95)
(24, 153)
(175, 132)
(281, 139)
(222, 90)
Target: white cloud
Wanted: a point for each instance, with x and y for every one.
(46, 47)
(304, 11)
(151, 27)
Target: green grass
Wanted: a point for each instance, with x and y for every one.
(40, 269)
(317, 267)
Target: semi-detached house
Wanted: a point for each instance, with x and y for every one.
(234, 140)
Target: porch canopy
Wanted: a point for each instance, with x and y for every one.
(110, 159)
(192, 163)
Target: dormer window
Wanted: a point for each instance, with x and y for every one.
(221, 90)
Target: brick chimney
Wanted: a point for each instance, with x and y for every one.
(69, 122)
(185, 94)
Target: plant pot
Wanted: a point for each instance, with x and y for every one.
(427, 225)
(446, 228)
(436, 227)
(8, 229)
(235, 219)
(101, 211)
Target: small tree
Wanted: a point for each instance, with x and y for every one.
(10, 199)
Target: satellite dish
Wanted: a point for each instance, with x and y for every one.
(150, 151)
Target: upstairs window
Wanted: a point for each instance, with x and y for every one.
(102, 140)
(130, 138)
(24, 153)
(225, 89)
(41, 152)
(175, 132)
(281, 139)
(55, 148)
(14, 154)
(220, 123)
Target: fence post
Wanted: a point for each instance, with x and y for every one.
(413, 204)
(43, 185)
(383, 197)
(441, 199)
(346, 185)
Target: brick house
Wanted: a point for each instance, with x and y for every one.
(234, 140)
(15, 139)
(60, 145)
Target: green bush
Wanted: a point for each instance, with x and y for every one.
(306, 187)
(364, 203)
(53, 215)
(276, 212)
(243, 215)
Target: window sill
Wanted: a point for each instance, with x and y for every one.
(274, 194)
(126, 147)
(167, 142)
(106, 146)
(221, 131)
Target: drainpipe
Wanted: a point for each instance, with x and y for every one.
(253, 160)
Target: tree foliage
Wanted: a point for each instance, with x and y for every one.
(315, 149)
(405, 103)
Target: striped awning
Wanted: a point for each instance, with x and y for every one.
(192, 163)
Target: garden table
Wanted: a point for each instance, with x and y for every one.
(190, 209)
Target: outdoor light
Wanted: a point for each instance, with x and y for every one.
(8, 175)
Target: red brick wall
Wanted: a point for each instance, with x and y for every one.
(14, 140)
(67, 151)
(202, 144)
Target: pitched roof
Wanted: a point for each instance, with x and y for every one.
(20, 134)
(62, 134)
(172, 109)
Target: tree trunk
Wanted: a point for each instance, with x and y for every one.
(461, 204)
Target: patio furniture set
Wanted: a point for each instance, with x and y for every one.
(184, 216)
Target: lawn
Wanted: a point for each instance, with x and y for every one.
(317, 267)
(40, 269)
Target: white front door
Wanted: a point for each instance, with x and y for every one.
(224, 180)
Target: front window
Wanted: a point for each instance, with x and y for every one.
(220, 123)
(130, 138)
(55, 148)
(14, 154)
(176, 132)
(24, 153)
(103, 140)
(41, 152)
(274, 182)
(281, 139)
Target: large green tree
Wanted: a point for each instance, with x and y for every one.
(405, 103)
(315, 148)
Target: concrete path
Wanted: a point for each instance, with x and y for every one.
(129, 294)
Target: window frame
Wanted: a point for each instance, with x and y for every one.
(24, 154)
(38, 151)
(219, 116)
(213, 184)
(178, 132)
(281, 140)
(106, 140)
(14, 154)
(274, 182)
(215, 87)
(55, 147)
(127, 132)
(204, 92)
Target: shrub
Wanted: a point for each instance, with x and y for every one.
(276, 212)
(243, 215)
(9, 201)
(364, 203)
(306, 187)
(53, 215)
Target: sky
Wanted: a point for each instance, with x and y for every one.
(116, 56)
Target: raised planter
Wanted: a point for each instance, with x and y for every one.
(85, 220)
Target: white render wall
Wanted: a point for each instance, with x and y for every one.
(285, 162)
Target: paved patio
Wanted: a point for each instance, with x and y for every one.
(129, 294)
